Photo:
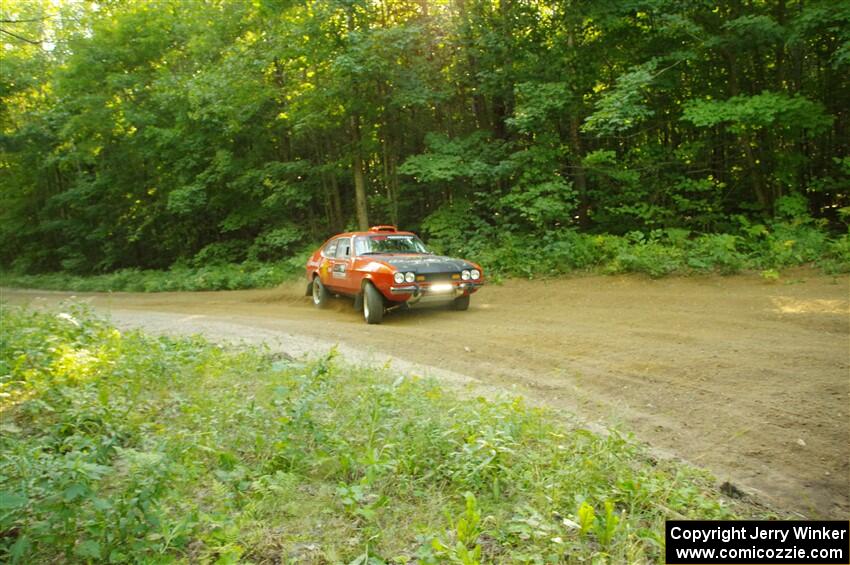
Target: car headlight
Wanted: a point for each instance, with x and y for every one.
(464, 274)
(398, 278)
(409, 277)
(475, 274)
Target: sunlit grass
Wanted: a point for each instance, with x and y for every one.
(657, 255)
(123, 447)
(214, 277)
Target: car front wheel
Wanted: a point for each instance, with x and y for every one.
(373, 304)
(320, 293)
(461, 303)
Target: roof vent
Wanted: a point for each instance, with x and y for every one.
(383, 228)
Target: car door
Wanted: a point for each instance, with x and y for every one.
(340, 268)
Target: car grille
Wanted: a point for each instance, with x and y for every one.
(440, 277)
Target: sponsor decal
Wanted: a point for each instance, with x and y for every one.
(339, 270)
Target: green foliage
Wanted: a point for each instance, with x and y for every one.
(656, 253)
(792, 207)
(768, 109)
(541, 198)
(147, 138)
(214, 276)
(466, 549)
(586, 517)
(276, 243)
(647, 256)
(221, 253)
(837, 258)
(448, 227)
(623, 107)
(537, 103)
(187, 200)
(472, 159)
(119, 447)
(717, 252)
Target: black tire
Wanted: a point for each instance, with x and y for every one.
(461, 303)
(373, 304)
(320, 293)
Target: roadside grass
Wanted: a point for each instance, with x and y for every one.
(122, 447)
(758, 248)
(229, 276)
(658, 253)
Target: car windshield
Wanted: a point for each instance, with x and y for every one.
(365, 245)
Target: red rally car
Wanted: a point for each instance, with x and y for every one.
(384, 268)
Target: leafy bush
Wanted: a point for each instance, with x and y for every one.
(221, 253)
(837, 257)
(127, 448)
(449, 225)
(571, 251)
(276, 243)
(656, 253)
(652, 258)
(227, 276)
(716, 252)
(785, 244)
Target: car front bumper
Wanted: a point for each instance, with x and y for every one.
(435, 291)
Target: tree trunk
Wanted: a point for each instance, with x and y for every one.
(578, 172)
(576, 149)
(359, 177)
(335, 197)
(746, 140)
(390, 176)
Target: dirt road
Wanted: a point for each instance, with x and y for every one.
(748, 378)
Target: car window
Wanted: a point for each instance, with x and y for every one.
(361, 245)
(343, 248)
(390, 244)
(330, 249)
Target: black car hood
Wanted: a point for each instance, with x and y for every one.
(424, 263)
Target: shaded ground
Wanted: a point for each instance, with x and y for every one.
(748, 378)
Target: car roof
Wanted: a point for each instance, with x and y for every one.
(374, 231)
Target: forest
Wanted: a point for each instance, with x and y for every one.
(187, 145)
(152, 133)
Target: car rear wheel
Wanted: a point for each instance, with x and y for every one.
(320, 293)
(373, 304)
(461, 303)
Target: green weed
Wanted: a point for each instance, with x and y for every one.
(228, 276)
(120, 447)
(656, 253)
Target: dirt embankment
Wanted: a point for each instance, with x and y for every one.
(748, 378)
